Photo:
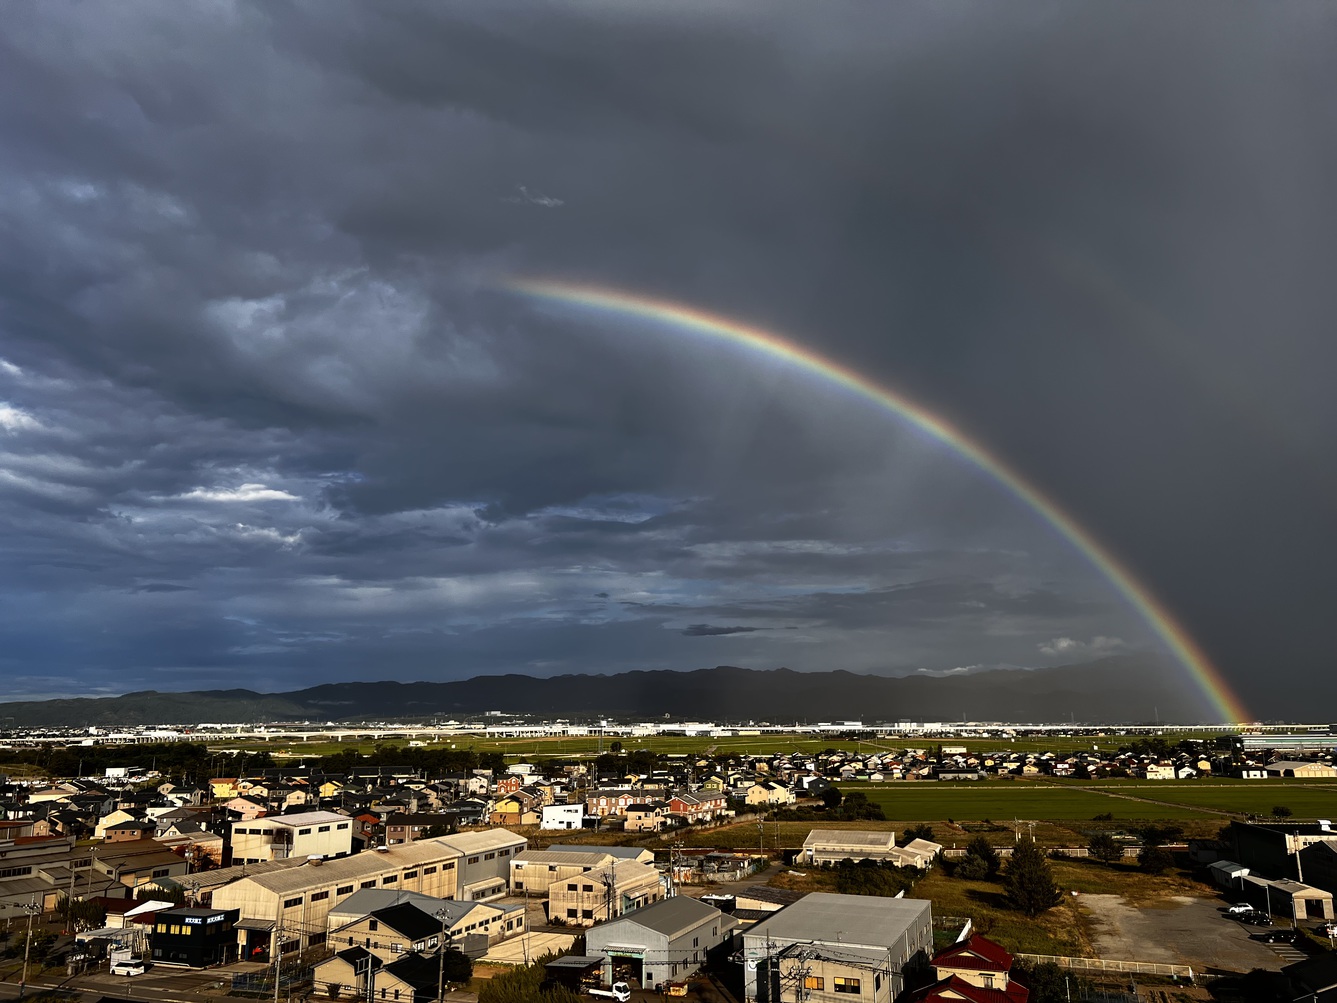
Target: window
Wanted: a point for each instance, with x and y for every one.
(473, 860)
(390, 879)
(344, 890)
(815, 982)
(319, 896)
(503, 853)
(585, 888)
(489, 856)
(571, 914)
(369, 884)
(161, 872)
(304, 832)
(877, 982)
(373, 925)
(847, 986)
(343, 825)
(571, 888)
(428, 870)
(14, 872)
(410, 875)
(587, 913)
(290, 903)
(448, 867)
(519, 886)
(988, 982)
(323, 828)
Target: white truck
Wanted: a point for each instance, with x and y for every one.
(620, 992)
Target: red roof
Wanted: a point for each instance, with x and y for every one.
(976, 953)
(955, 989)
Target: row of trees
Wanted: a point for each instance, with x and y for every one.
(1028, 879)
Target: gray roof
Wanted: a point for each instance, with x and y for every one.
(670, 916)
(862, 920)
(620, 852)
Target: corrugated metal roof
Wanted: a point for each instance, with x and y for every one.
(851, 919)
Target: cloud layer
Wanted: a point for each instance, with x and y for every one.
(266, 417)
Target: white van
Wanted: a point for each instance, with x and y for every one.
(129, 966)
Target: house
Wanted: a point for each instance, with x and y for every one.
(768, 792)
(611, 801)
(858, 945)
(356, 973)
(973, 970)
(402, 827)
(462, 920)
(664, 942)
(518, 808)
(561, 816)
(701, 806)
(1159, 771)
(604, 893)
(644, 816)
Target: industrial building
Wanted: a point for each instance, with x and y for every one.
(663, 942)
(604, 893)
(829, 946)
(278, 837)
(290, 906)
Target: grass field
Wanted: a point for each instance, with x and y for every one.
(1132, 799)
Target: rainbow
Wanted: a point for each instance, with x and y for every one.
(1207, 677)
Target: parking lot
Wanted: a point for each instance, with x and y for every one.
(1182, 931)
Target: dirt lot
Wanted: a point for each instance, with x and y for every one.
(1181, 930)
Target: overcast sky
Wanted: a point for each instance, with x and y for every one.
(268, 417)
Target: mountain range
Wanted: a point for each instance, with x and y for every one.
(1122, 689)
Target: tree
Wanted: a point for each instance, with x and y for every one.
(1156, 860)
(615, 748)
(1105, 848)
(1281, 811)
(971, 868)
(983, 849)
(1047, 982)
(458, 966)
(831, 798)
(1029, 881)
(924, 832)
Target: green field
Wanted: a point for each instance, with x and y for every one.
(1133, 799)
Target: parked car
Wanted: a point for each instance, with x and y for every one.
(129, 966)
(1240, 909)
(1255, 919)
(1278, 936)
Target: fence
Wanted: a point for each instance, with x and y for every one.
(1105, 966)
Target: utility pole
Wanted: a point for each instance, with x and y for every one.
(31, 908)
(278, 959)
(442, 915)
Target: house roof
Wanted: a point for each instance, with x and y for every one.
(976, 953)
(409, 920)
(955, 989)
(417, 970)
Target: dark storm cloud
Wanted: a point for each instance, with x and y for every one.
(266, 417)
(708, 630)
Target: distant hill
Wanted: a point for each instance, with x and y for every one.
(1118, 689)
